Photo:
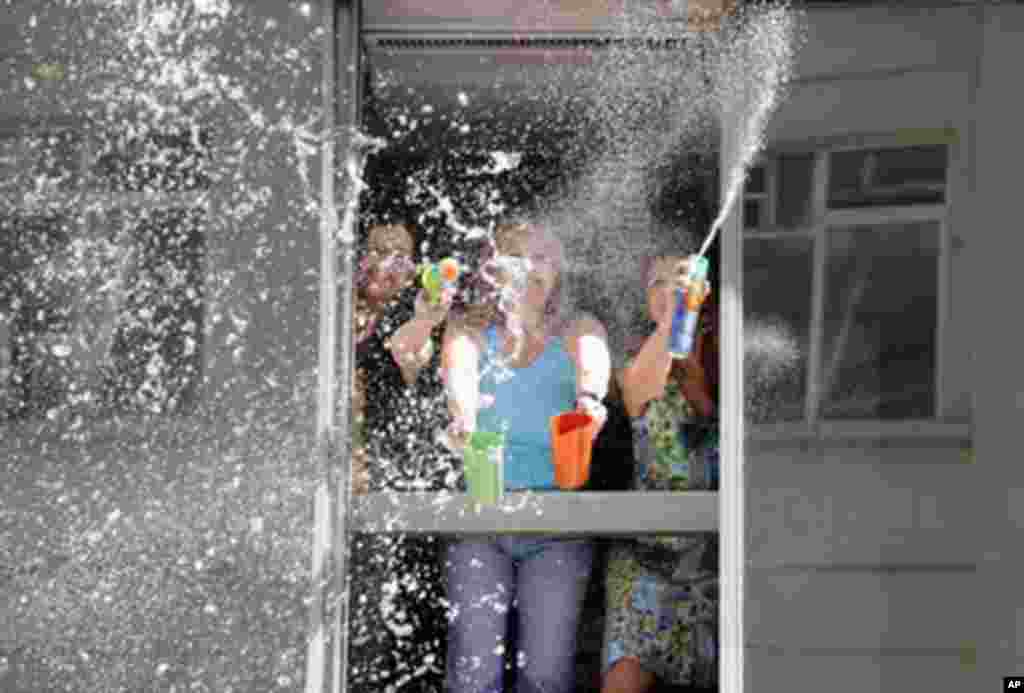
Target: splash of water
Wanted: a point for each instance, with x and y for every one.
(765, 48)
(655, 117)
(143, 521)
(773, 369)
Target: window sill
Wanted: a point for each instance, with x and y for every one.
(583, 513)
(859, 434)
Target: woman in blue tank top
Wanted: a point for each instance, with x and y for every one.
(512, 375)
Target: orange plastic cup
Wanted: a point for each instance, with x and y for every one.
(572, 436)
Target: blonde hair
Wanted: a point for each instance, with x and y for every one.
(542, 241)
(664, 266)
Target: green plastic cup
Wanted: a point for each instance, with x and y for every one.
(484, 461)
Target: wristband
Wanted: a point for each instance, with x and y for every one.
(595, 406)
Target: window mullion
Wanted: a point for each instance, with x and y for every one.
(944, 324)
(881, 216)
(819, 250)
(942, 305)
(771, 187)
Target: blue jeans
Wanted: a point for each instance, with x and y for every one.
(546, 580)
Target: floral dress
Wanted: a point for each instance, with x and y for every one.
(662, 592)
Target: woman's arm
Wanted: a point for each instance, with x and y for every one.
(644, 379)
(460, 372)
(587, 343)
(411, 345)
(693, 382)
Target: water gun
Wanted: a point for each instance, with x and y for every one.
(689, 299)
(440, 276)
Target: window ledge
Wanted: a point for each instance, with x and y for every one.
(576, 513)
(880, 434)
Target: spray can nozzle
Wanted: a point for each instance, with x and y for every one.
(698, 268)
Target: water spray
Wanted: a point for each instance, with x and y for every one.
(769, 44)
(360, 147)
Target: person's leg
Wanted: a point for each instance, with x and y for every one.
(552, 584)
(481, 587)
(628, 652)
(627, 675)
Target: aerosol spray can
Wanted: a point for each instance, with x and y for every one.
(689, 299)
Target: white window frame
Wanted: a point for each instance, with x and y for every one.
(622, 512)
(583, 513)
(813, 426)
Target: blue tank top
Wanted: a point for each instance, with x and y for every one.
(524, 400)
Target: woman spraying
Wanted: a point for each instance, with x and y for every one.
(661, 596)
(550, 364)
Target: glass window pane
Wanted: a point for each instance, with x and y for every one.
(40, 162)
(880, 322)
(795, 190)
(777, 286)
(752, 214)
(36, 296)
(908, 175)
(159, 216)
(165, 160)
(156, 338)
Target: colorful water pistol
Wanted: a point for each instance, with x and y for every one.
(440, 276)
(688, 302)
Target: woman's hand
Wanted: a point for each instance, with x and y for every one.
(692, 380)
(360, 471)
(665, 299)
(683, 276)
(595, 409)
(456, 436)
(358, 393)
(430, 312)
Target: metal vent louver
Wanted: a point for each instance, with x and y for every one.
(474, 43)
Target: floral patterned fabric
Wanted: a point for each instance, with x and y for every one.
(671, 628)
(662, 592)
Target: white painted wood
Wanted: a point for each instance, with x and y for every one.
(905, 550)
(886, 507)
(884, 216)
(906, 101)
(770, 671)
(905, 434)
(900, 36)
(998, 378)
(347, 102)
(732, 497)
(860, 610)
(820, 248)
(318, 662)
(926, 432)
(955, 364)
(582, 513)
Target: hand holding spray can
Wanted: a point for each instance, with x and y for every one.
(439, 277)
(688, 302)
